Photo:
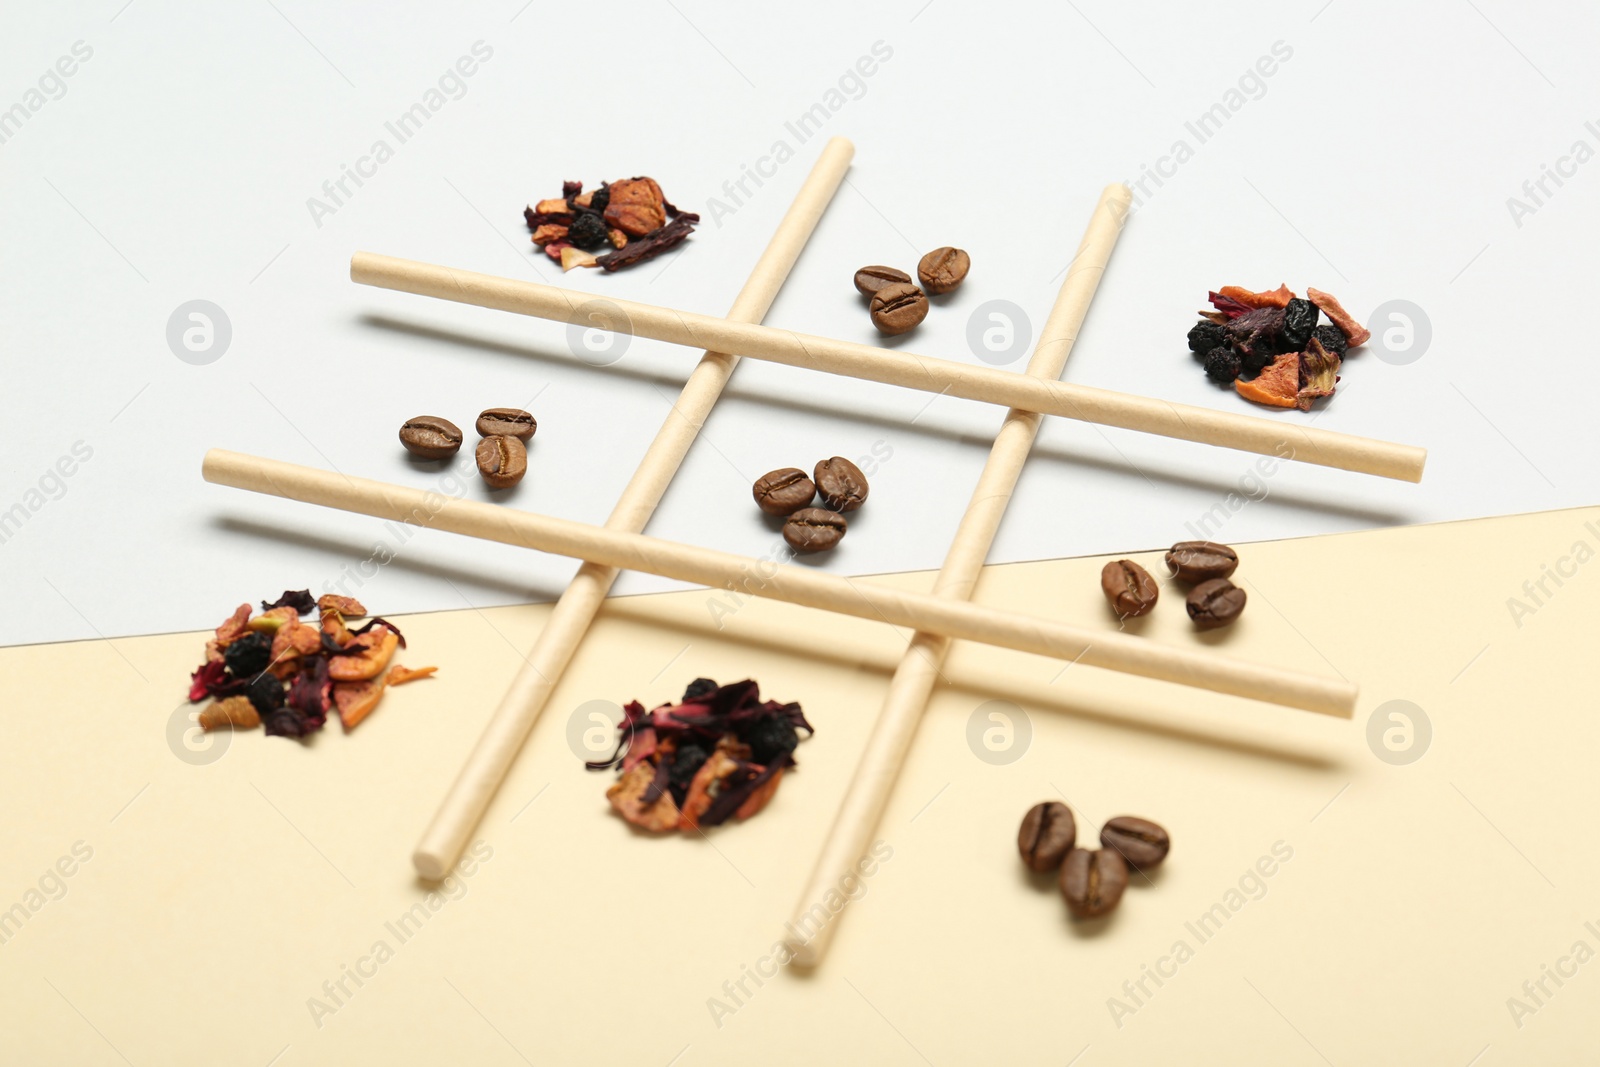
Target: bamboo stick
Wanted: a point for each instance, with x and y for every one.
(463, 805)
(794, 585)
(914, 678)
(1270, 437)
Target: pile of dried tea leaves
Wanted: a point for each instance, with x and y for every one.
(274, 671)
(718, 753)
(630, 217)
(1270, 345)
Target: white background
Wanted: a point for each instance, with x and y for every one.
(1375, 162)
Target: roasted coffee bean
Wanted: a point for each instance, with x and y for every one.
(1215, 603)
(841, 483)
(430, 437)
(1142, 843)
(1047, 835)
(813, 529)
(943, 269)
(506, 422)
(502, 461)
(898, 307)
(870, 279)
(783, 492)
(1093, 881)
(1129, 589)
(1199, 561)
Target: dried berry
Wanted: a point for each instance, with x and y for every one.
(1256, 361)
(249, 655)
(1222, 364)
(588, 232)
(600, 198)
(1332, 338)
(699, 688)
(686, 763)
(1204, 336)
(1299, 321)
(266, 693)
(769, 737)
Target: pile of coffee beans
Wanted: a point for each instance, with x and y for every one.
(1092, 881)
(502, 455)
(896, 304)
(787, 492)
(1213, 601)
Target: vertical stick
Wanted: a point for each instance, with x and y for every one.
(446, 837)
(914, 679)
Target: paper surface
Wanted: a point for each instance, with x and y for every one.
(1331, 904)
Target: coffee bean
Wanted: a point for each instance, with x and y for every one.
(1142, 843)
(1215, 603)
(898, 307)
(841, 483)
(1093, 881)
(1047, 835)
(1199, 561)
(1129, 589)
(502, 461)
(431, 437)
(813, 529)
(783, 492)
(943, 269)
(506, 422)
(870, 279)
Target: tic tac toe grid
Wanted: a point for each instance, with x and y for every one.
(1028, 396)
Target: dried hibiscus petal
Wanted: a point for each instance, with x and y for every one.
(311, 694)
(1227, 305)
(1319, 371)
(211, 678)
(299, 599)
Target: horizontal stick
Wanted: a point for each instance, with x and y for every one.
(1006, 388)
(796, 585)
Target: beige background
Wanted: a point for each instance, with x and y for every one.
(220, 896)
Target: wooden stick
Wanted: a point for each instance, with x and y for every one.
(919, 668)
(795, 585)
(463, 806)
(1250, 434)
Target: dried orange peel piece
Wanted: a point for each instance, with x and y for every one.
(1277, 386)
(1355, 334)
(377, 649)
(627, 797)
(400, 675)
(356, 700)
(1268, 298)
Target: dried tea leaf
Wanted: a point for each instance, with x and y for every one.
(1355, 334)
(400, 675)
(234, 711)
